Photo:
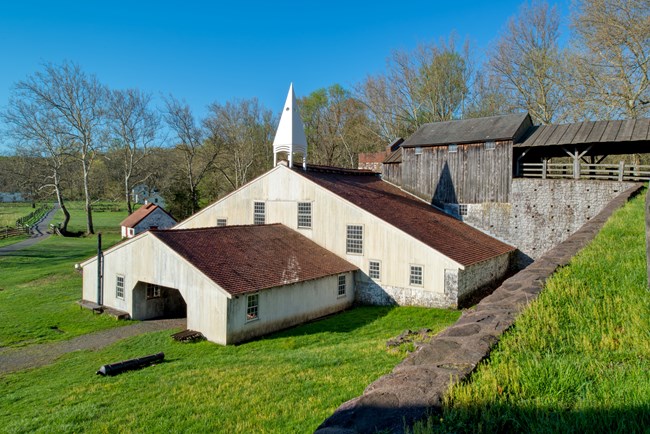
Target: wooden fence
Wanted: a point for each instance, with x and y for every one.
(7, 232)
(609, 172)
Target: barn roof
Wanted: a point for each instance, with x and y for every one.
(507, 127)
(140, 214)
(631, 130)
(449, 236)
(243, 259)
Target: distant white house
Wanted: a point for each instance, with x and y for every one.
(294, 244)
(144, 218)
(143, 194)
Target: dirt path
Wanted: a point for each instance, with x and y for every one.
(37, 234)
(34, 356)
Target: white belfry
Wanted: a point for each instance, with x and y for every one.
(290, 136)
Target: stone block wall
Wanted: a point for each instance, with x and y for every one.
(542, 212)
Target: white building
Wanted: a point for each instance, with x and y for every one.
(144, 218)
(298, 243)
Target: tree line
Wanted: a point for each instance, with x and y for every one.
(74, 138)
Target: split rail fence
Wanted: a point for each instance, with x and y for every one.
(608, 172)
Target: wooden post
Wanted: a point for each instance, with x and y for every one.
(576, 166)
(621, 170)
(647, 231)
(544, 165)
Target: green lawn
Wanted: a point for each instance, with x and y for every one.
(578, 360)
(10, 212)
(103, 221)
(39, 287)
(288, 382)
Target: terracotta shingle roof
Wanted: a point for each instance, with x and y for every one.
(449, 236)
(243, 259)
(138, 215)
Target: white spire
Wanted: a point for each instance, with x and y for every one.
(290, 135)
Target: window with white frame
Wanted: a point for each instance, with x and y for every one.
(418, 150)
(374, 270)
(119, 287)
(222, 222)
(259, 213)
(252, 306)
(153, 291)
(490, 145)
(453, 148)
(354, 240)
(304, 215)
(415, 277)
(462, 208)
(342, 285)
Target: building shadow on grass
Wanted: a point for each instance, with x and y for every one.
(493, 418)
(341, 322)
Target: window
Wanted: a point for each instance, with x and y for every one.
(252, 307)
(374, 270)
(416, 275)
(222, 222)
(462, 209)
(418, 150)
(304, 215)
(153, 291)
(453, 148)
(490, 145)
(342, 285)
(119, 287)
(354, 241)
(259, 213)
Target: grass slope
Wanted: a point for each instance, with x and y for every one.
(10, 212)
(288, 382)
(578, 360)
(39, 286)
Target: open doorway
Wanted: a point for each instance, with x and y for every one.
(151, 301)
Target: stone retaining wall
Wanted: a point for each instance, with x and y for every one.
(417, 385)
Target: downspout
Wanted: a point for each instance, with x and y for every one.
(100, 270)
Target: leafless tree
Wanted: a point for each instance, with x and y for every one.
(612, 58)
(39, 138)
(528, 62)
(75, 101)
(243, 132)
(133, 128)
(198, 157)
(428, 84)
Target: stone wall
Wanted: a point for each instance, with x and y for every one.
(542, 212)
(482, 274)
(369, 292)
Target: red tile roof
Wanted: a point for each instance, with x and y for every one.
(243, 259)
(138, 215)
(438, 230)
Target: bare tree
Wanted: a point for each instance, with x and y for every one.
(197, 156)
(75, 101)
(133, 127)
(40, 139)
(612, 58)
(428, 84)
(528, 62)
(243, 132)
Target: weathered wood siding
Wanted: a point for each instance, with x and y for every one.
(392, 173)
(472, 174)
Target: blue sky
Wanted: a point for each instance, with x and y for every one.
(204, 52)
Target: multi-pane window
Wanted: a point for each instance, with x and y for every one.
(153, 291)
(416, 275)
(462, 209)
(342, 285)
(304, 214)
(222, 222)
(119, 287)
(374, 270)
(252, 306)
(354, 240)
(259, 213)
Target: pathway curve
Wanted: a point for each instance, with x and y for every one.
(38, 233)
(34, 356)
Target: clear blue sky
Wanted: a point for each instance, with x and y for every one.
(204, 52)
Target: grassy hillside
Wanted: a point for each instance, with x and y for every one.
(578, 360)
